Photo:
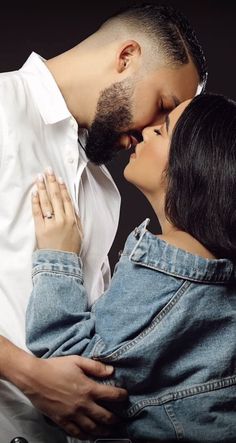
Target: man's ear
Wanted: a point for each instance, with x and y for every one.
(128, 54)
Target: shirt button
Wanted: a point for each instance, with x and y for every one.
(19, 440)
(70, 156)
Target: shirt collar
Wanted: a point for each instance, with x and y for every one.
(44, 89)
(49, 100)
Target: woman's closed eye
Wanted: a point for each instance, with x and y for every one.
(157, 131)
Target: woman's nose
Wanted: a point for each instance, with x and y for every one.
(146, 131)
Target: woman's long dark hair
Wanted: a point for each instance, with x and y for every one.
(201, 174)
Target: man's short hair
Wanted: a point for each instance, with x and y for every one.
(168, 31)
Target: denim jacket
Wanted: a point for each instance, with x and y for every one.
(167, 324)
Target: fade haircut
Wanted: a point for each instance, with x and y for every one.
(168, 31)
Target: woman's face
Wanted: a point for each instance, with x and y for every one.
(146, 166)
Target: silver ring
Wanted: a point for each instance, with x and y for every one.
(49, 215)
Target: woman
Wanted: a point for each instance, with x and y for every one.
(168, 321)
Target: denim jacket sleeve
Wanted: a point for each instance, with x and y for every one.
(54, 327)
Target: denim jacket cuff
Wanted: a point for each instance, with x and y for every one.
(57, 261)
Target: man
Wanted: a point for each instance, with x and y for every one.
(137, 67)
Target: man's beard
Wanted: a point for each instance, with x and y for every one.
(113, 115)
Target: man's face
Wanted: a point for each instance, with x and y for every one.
(126, 107)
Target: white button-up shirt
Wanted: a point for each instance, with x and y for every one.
(36, 131)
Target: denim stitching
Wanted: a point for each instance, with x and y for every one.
(188, 392)
(164, 270)
(205, 387)
(173, 274)
(126, 347)
(98, 348)
(179, 431)
(59, 273)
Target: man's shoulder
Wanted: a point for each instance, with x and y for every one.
(9, 76)
(11, 83)
(13, 93)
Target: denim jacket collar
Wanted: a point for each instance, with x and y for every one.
(145, 249)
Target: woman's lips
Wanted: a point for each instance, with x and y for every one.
(136, 150)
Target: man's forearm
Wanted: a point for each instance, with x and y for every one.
(15, 364)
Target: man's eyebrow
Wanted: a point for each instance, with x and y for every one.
(167, 122)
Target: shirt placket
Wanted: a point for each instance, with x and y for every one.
(75, 163)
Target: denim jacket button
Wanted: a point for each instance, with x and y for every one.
(120, 253)
(137, 233)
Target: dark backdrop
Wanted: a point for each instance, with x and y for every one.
(50, 28)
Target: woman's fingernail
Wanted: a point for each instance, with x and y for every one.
(109, 369)
(60, 180)
(49, 170)
(40, 177)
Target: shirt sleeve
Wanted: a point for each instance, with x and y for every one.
(58, 319)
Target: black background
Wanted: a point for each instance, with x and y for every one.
(50, 28)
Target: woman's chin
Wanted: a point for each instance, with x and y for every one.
(127, 175)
